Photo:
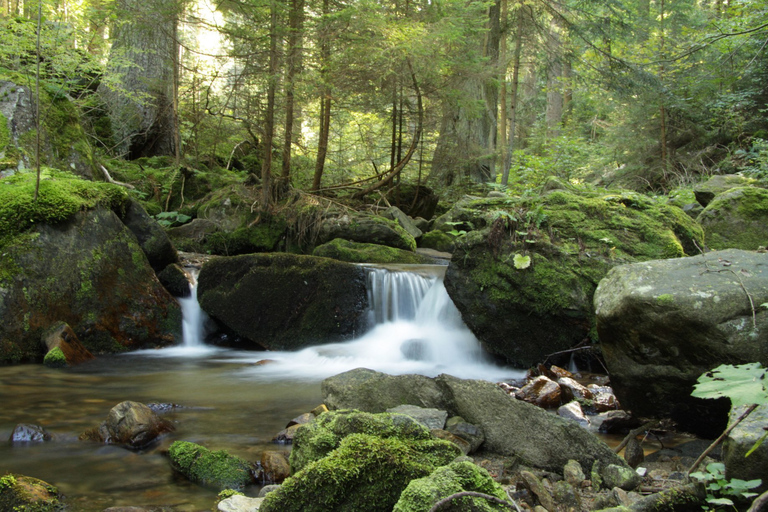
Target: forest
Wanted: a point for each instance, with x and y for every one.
(344, 98)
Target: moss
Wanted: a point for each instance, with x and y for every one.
(216, 469)
(355, 252)
(365, 472)
(55, 358)
(422, 493)
(665, 299)
(437, 240)
(736, 219)
(61, 195)
(20, 493)
(262, 237)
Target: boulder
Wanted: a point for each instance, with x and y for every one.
(430, 418)
(706, 191)
(736, 219)
(239, 503)
(366, 228)
(216, 469)
(131, 424)
(424, 493)
(572, 411)
(663, 323)
(77, 265)
(27, 433)
(365, 472)
(740, 440)
(275, 466)
(151, 236)
(541, 391)
(285, 301)
(19, 492)
(414, 200)
(529, 266)
(71, 352)
(396, 214)
(472, 434)
(175, 280)
(572, 390)
(356, 252)
(511, 427)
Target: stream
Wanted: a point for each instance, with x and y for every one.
(224, 400)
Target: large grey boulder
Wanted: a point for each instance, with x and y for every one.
(663, 323)
(396, 214)
(736, 219)
(285, 301)
(740, 440)
(512, 428)
(365, 228)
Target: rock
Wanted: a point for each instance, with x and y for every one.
(286, 435)
(538, 489)
(414, 200)
(541, 391)
(740, 440)
(285, 301)
(736, 219)
(664, 323)
(216, 469)
(422, 224)
(706, 191)
(685, 498)
(572, 411)
(28, 433)
(366, 228)
(566, 496)
(61, 337)
(87, 271)
(461, 443)
(396, 214)
(633, 453)
(239, 503)
(192, 236)
(617, 422)
(573, 474)
(357, 252)
(572, 390)
(301, 419)
(365, 472)
(438, 241)
(511, 427)
(275, 466)
(135, 425)
(175, 280)
(318, 438)
(620, 476)
(268, 489)
(430, 418)
(151, 236)
(470, 433)
(511, 310)
(603, 399)
(424, 493)
(19, 492)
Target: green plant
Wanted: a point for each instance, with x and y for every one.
(456, 232)
(170, 219)
(720, 490)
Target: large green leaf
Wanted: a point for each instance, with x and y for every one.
(744, 384)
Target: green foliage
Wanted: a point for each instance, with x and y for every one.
(521, 262)
(721, 491)
(744, 384)
(55, 358)
(171, 219)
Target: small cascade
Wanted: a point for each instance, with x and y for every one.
(395, 295)
(192, 317)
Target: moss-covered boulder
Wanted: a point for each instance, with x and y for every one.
(524, 274)
(354, 252)
(423, 493)
(314, 440)
(366, 228)
(707, 190)
(216, 469)
(68, 258)
(439, 241)
(24, 493)
(741, 440)
(285, 301)
(365, 472)
(663, 323)
(737, 219)
(151, 237)
(64, 349)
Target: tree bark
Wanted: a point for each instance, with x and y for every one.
(510, 148)
(295, 21)
(325, 105)
(269, 117)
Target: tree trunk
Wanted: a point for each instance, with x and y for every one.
(138, 87)
(325, 105)
(554, 112)
(510, 148)
(296, 18)
(269, 117)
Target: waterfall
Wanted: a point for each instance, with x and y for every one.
(193, 318)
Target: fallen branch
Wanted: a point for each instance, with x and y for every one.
(110, 180)
(634, 433)
(720, 439)
(760, 504)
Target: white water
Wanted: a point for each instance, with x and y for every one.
(414, 328)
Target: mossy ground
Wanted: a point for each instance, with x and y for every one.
(354, 252)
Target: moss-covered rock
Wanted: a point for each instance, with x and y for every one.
(365, 472)
(422, 493)
(68, 258)
(262, 237)
(151, 237)
(524, 274)
(216, 469)
(737, 219)
(706, 191)
(438, 240)
(319, 437)
(27, 494)
(354, 252)
(55, 358)
(285, 301)
(365, 228)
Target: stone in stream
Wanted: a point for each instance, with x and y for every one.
(216, 469)
(64, 349)
(131, 424)
(28, 433)
(19, 492)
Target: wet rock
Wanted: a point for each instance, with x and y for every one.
(622, 477)
(216, 469)
(740, 440)
(430, 418)
(572, 390)
(463, 444)
(275, 466)
(685, 498)
(567, 496)
(69, 351)
(175, 280)
(268, 489)
(573, 474)
(131, 424)
(603, 399)
(415, 350)
(151, 236)
(287, 435)
(633, 453)
(471, 433)
(19, 492)
(239, 503)
(663, 323)
(366, 228)
(301, 419)
(28, 433)
(541, 391)
(572, 411)
(617, 422)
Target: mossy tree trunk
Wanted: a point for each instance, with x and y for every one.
(139, 85)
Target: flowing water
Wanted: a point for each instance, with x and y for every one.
(224, 400)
